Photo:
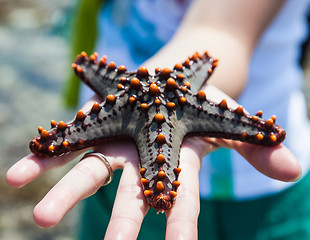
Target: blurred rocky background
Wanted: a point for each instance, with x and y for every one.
(34, 62)
(34, 40)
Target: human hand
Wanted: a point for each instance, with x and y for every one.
(130, 207)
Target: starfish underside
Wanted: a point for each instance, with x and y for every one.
(157, 112)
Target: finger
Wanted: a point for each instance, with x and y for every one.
(80, 182)
(276, 162)
(129, 208)
(32, 166)
(186, 209)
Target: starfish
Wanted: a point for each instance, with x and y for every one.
(157, 112)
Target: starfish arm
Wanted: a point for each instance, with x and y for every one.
(204, 118)
(102, 78)
(159, 147)
(103, 122)
(196, 70)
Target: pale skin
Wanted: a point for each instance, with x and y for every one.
(229, 31)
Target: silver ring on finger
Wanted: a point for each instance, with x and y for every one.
(105, 161)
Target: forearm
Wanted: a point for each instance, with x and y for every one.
(226, 32)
